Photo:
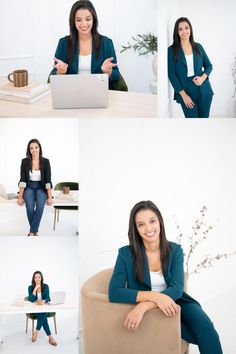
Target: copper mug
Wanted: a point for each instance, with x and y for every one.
(66, 190)
(20, 78)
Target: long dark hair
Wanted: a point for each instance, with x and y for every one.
(33, 281)
(136, 242)
(28, 153)
(176, 39)
(73, 37)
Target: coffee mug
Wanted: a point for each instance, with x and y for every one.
(66, 190)
(20, 78)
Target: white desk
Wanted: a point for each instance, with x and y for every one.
(121, 104)
(8, 309)
(59, 199)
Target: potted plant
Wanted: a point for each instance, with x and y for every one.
(144, 44)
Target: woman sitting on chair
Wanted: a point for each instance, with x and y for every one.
(85, 51)
(149, 274)
(39, 293)
(35, 185)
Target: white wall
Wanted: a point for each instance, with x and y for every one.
(59, 140)
(22, 256)
(179, 165)
(30, 38)
(214, 27)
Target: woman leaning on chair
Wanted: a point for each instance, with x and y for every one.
(149, 274)
(85, 51)
(38, 292)
(35, 186)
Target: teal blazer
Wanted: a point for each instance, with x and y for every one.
(124, 287)
(107, 51)
(45, 294)
(177, 72)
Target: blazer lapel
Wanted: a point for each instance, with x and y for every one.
(146, 272)
(75, 64)
(182, 56)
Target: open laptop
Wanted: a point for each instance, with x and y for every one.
(57, 298)
(79, 91)
(6, 195)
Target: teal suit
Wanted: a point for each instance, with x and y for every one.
(196, 327)
(178, 76)
(42, 320)
(107, 51)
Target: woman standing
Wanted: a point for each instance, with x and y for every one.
(188, 69)
(39, 293)
(85, 51)
(149, 274)
(35, 185)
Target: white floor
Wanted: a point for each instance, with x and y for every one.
(13, 222)
(67, 339)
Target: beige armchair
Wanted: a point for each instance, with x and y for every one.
(103, 325)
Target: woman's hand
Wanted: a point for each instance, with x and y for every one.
(187, 99)
(134, 317)
(40, 302)
(49, 201)
(60, 66)
(107, 66)
(20, 201)
(198, 80)
(166, 304)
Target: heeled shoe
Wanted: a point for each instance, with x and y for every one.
(36, 234)
(52, 342)
(34, 338)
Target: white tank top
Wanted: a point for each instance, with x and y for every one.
(35, 175)
(157, 281)
(84, 64)
(39, 296)
(190, 65)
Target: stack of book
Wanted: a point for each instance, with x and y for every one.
(27, 94)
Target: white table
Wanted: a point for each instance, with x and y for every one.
(121, 104)
(8, 309)
(59, 199)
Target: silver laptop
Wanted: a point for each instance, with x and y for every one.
(57, 297)
(79, 91)
(6, 195)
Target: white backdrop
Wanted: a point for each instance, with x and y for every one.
(214, 27)
(59, 140)
(181, 166)
(22, 256)
(31, 31)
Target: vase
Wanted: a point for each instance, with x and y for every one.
(154, 66)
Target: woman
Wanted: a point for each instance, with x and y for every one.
(188, 69)
(35, 186)
(152, 269)
(85, 51)
(39, 293)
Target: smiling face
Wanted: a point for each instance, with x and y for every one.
(83, 22)
(34, 150)
(148, 226)
(37, 279)
(184, 30)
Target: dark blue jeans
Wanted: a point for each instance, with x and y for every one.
(42, 321)
(35, 198)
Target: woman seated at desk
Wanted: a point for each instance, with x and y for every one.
(39, 293)
(85, 50)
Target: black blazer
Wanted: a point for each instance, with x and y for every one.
(45, 170)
